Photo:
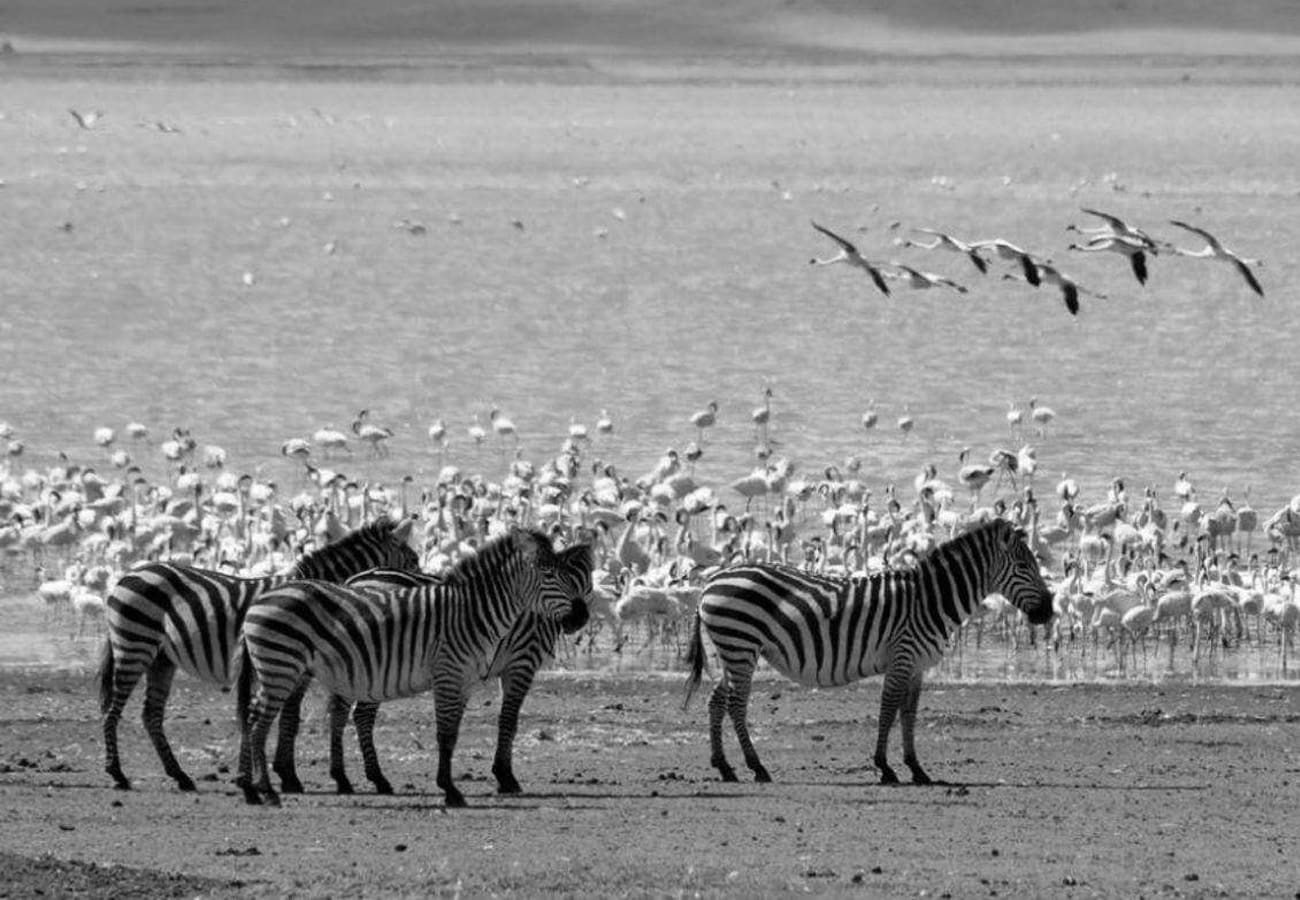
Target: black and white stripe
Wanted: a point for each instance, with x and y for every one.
(527, 646)
(367, 646)
(827, 632)
(163, 617)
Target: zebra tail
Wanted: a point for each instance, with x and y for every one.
(695, 659)
(106, 668)
(243, 682)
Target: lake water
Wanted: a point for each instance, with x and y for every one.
(659, 262)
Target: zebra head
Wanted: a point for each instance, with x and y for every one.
(564, 582)
(1016, 576)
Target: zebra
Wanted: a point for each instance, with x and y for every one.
(370, 646)
(162, 617)
(515, 661)
(827, 632)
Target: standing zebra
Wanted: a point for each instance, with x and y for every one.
(366, 646)
(162, 617)
(515, 661)
(827, 632)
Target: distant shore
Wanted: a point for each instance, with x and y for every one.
(590, 41)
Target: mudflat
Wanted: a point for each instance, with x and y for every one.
(1089, 790)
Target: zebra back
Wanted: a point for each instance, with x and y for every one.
(384, 543)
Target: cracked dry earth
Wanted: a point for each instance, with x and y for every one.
(1156, 790)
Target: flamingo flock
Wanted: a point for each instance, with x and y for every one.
(1115, 236)
(1172, 564)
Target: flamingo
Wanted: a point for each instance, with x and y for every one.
(1015, 416)
(1134, 249)
(706, 418)
(1114, 226)
(1071, 290)
(1010, 252)
(1041, 415)
(918, 280)
(296, 448)
(330, 439)
(870, 417)
(476, 431)
(849, 255)
(1215, 250)
(504, 427)
(374, 435)
(906, 422)
(947, 242)
(761, 415)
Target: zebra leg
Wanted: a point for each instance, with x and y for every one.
(718, 712)
(158, 686)
(258, 727)
(515, 683)
(116, 684)
(339, 711)
(908, 717)
(284, 766)
(892, 696)
(450, 704)
(363, 716)
(738, 709)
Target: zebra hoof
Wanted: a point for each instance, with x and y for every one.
(381, 785)
(509, 786)
(291, 785)
(761, 776)
(887, 776)
(185, 783)
(455, 799)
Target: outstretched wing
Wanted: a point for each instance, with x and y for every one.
(1031, 270)
(1249, 276)
(979, 261)
(1113, 221)
(1139, 261)
(878, 279)
(836, 238)
(1071, 294)
(1209, 238)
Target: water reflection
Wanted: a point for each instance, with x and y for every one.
(30, 641)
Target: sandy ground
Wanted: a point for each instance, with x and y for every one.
(1134, 790)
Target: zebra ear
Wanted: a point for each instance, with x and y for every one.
(402, 531)
(578, 555)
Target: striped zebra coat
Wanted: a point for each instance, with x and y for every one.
(163, 617)
(828, 632)
(515, 661)
(365, 646)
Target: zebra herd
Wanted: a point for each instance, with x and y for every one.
(361, 619)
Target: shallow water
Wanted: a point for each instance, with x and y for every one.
(31, 641)
(698, 290)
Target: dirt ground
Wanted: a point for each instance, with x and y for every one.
(1075, 791)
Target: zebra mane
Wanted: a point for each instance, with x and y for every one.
(529, 542)
(381, 529)
(1000, 528)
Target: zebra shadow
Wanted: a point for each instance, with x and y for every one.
(960, 788)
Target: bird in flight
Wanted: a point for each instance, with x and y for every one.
(1215, 250)
(1010, 251)
(1133, 248)
(1114, 226)
(947, 242)
(915, 278)
(849, 254)
(86, 120)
